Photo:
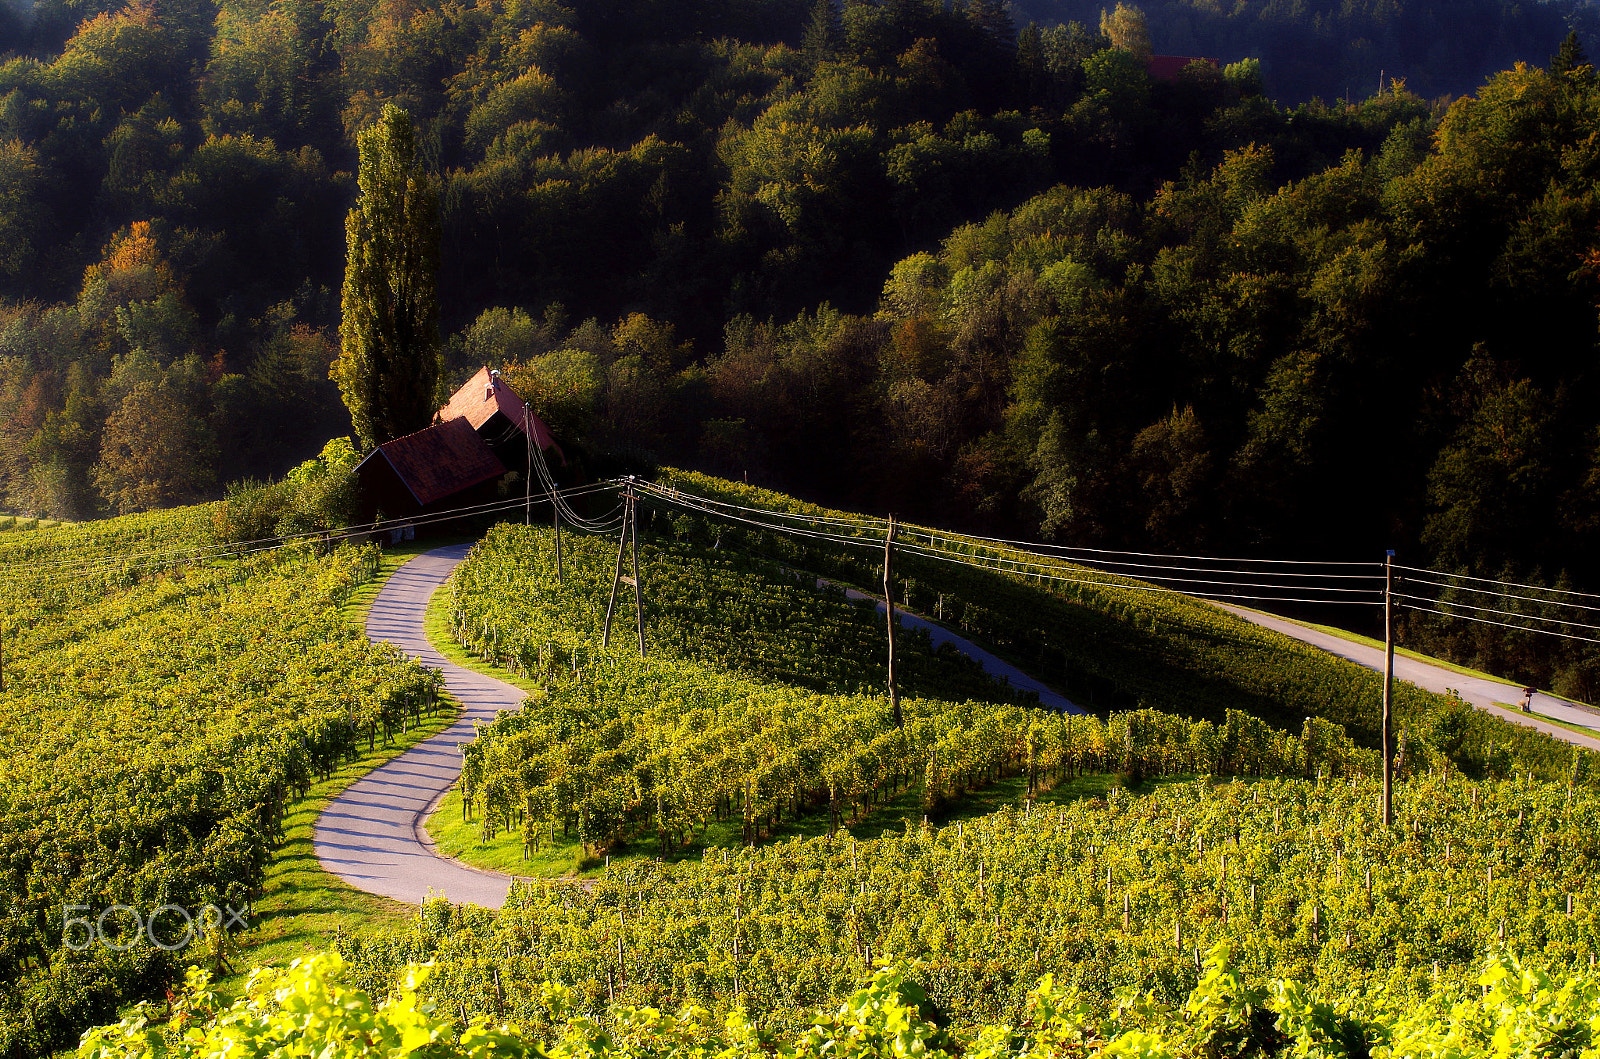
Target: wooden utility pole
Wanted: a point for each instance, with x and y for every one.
(527, 481)
(638, 591)
(888, 599)
(616, 578)
(555, 511)
(1388, 689)
(630, 531)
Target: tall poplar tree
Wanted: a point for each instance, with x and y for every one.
(388, 366)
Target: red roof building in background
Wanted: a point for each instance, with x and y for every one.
(486, 396)
(458, 461)
(1168, 67)
(440, 461)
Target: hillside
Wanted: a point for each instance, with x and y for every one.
(891, 255)
(756, 717)
(162, 712)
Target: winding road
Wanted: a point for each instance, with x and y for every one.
(1482, 692)
(372, 835)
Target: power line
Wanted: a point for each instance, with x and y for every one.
(1503, 613)
(919, 550)
(1123, 587)
(1504, 625)
(276, 543)
(1502, 595)
(1492, 581)
(1162, 555)
(689, 501)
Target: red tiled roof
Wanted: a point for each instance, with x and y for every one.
(443, 459)
(483, 396)
(1168, 67)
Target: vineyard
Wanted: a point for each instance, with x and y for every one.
(1112, 648)
(1297, 877)
(616, 749)
(1515, 1007)
(156, 721)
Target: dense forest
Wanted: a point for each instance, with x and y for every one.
(901, 255)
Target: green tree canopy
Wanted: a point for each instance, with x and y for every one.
(388, 366)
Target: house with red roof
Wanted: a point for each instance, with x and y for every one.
(459, 461)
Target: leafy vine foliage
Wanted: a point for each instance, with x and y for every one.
(1108, 897)
(613, 746)
(1514, 1007)
(154, 727)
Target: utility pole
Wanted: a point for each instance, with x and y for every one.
(630, 531)
(888, 598)
(527, 480)
(616, 577)
(1388, 689)
(638, 591)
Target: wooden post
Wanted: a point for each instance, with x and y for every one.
(638, 592)
(1388, 689)
(616, 578)
(888, 599)
(555, 511)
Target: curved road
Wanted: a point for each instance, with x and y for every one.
(371, 836)
(995, 667)
(1479, 691)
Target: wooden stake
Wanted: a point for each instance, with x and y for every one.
(888, 599)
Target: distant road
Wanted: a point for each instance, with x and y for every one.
(995, 667)
(372, 836)
(1479, 691)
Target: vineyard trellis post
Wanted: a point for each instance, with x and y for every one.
(1388, 688)
(888, 599)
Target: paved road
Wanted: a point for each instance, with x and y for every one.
(1480, 692)
(993, 666)
(371, 836)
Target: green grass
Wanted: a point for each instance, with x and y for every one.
(394, 557)
(302, 907)
(1545, 717)
(436, 626)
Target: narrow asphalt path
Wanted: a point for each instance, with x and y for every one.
(371, 836)
(995, 667)
(1479, 691)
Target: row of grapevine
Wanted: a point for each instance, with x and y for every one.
(620, 747)
(715, 606)
(1297, 878)
(1514, 1007)
(1110, 647)
(155, 725)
